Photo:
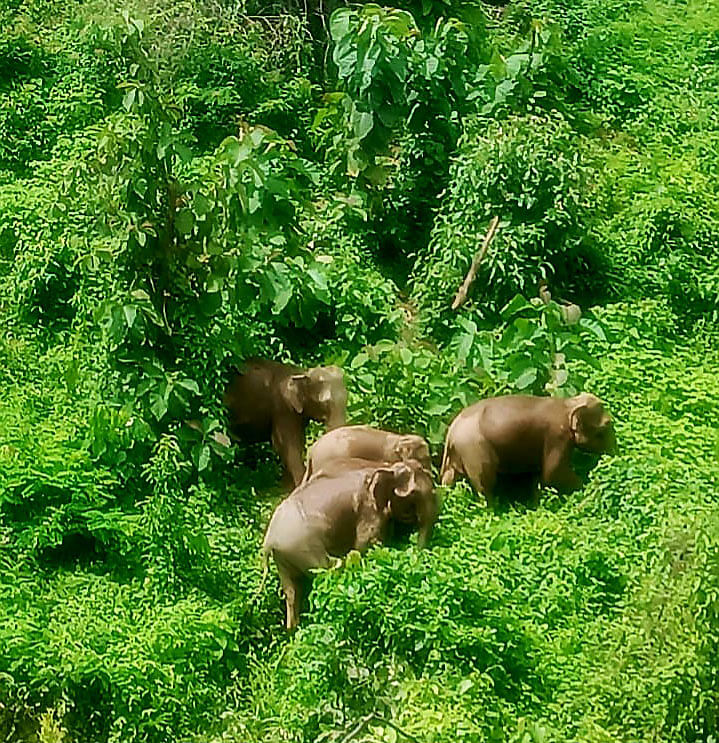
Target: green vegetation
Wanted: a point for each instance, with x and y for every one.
(186, 184)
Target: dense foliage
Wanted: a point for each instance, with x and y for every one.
(186, 184)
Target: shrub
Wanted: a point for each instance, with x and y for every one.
(129, 665)
(531, 173)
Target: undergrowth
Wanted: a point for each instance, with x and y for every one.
(187, 184)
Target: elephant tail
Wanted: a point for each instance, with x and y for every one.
(308, 469)
(308, 473)
(266, 552)
(447, 472)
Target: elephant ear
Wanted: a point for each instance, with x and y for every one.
(410, 448)
(380, 487)
(580, 415)
(404, 480)
(405, 447)
(293, 391)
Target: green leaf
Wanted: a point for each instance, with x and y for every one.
(282, 298)
(184, 221)
(594, 327)
(464, 686)
(201, 204)
(526, 379)
(129, 98)
(432, 65)
(130, 315)
(158, 407)
(231, 148)
(184, 153)
(201, 456)
(359, 359)
(340, 23)
(189, 384)
(318, 277)
(517, 304)
(464, 346)
(257, 136)
(362, 123)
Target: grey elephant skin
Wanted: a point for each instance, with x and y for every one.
(270, 400)
(365, 442)
(521, 434)
(333, 514)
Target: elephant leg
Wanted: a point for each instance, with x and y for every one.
(449, 469)
(557, 469)
(483, 477)
(427, 511)
(480, 465)
(534, 493)
(449, 475)
(292, 588)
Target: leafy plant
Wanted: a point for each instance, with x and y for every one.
(533, 352)
(529, 172)
(197, 242)
(528, 78)
(154, 234)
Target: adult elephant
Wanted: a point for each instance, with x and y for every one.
(522, 434)
(332, 514)
(270, 400)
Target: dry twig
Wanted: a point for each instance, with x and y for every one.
(463, 290)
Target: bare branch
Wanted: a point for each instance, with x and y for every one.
(463, 290)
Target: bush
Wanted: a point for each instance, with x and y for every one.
(662, 244)
(137, 267)
(128, 665)
(531, 173)
(46, 94)
(231, 74)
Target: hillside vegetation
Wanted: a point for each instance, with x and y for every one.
(187, 184)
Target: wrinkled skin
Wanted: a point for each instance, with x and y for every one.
(365, 442)
(520, 434)
(326, 518)
(269, 400)
(413, 501)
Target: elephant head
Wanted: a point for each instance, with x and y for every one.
(318, 393)
(407, 489)
(410, 446)
(590, 426)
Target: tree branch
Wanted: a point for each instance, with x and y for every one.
(358, 728)
(463, 290)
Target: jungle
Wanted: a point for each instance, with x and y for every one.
(187, 184)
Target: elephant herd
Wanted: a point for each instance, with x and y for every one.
(358, 480)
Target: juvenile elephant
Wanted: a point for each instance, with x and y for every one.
(520, 434)
(365, 442)
(327, 517)
(414, 501)
(272, 400)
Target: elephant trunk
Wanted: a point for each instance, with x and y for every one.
(336, 418)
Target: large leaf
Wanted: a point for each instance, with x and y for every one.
(362, 123)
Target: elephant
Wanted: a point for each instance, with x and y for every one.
(522, 434)
(330, 515)
(267, 399)
(365, 442)
(414, 503)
